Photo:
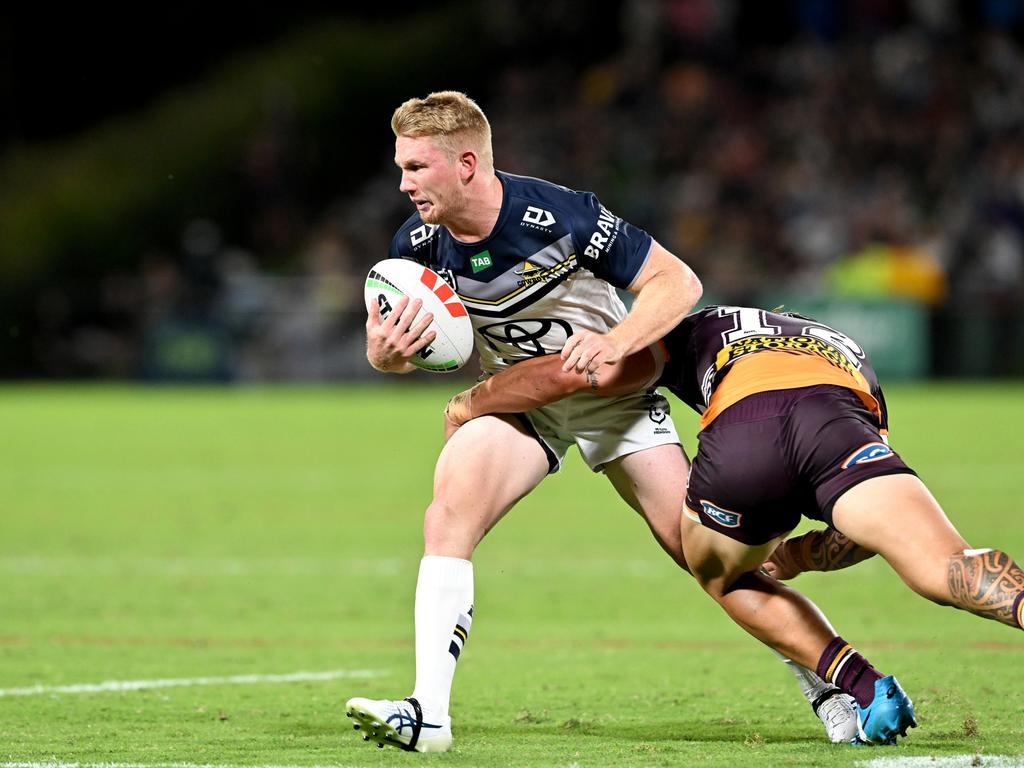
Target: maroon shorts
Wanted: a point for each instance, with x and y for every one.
(774, 456)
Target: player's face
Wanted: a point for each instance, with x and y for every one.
(429, 177)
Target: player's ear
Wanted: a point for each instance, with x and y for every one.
(467, 163)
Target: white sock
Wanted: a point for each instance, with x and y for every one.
(444, 613)
(811, 685)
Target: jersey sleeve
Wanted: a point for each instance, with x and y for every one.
(611, 248)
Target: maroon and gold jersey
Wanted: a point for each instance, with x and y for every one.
(720, 355)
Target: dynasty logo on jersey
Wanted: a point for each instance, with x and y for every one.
(419, 236)
(537, 217)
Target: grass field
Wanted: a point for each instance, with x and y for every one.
(195, 536)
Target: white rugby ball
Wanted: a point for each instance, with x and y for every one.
(391, 279)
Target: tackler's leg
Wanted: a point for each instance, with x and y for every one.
(896, 516)
(791, 624)
(653, 483)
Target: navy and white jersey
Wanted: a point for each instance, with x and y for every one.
(548, 269)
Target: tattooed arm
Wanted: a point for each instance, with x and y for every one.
(821, 550)
(540, 381)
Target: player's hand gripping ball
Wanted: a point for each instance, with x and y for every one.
(391, 279)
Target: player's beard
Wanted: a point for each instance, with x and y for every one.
(446, 209)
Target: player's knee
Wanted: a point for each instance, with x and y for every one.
(712, 577)
(449, 531)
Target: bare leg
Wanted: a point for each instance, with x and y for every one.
(653, 483)
(773, 613)
(896, 516)
(473, 487)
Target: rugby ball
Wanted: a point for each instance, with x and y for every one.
(391, 279)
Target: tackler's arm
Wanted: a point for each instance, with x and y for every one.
(540, 381)
(819, 550)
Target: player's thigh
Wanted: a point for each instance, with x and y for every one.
(896, 516)
(653, 482)
(487, 466)
(716, 560)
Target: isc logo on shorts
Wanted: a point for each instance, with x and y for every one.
(723, 517)
(868, 453)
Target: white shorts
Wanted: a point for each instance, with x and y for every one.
(604, 428)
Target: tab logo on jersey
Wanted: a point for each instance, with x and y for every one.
(723, 517)
(868, 453)
(538, 217)
(480, 262)
(421, 234)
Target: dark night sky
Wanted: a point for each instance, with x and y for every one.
(64, 71)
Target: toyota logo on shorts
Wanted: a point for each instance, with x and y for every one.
(525, 335)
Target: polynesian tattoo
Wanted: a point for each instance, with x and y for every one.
(819, 550)
(987, 582)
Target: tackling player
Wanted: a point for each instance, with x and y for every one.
(536, 265)
(793, 422)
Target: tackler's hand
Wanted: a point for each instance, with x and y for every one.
(457, 412)
(586, 351)
(391, 341)
(781, 564)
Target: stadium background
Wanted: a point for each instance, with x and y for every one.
(196, 196)
(191, 195)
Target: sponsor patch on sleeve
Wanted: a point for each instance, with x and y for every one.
(867, 453)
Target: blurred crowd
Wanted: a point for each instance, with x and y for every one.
(870, 149)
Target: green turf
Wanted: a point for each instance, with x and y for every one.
(167, 533)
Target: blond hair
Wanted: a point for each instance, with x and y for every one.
(451, 117)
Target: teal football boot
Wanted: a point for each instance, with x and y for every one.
(889, 714)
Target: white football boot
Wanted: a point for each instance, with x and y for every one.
(838, 712)
(400, 724)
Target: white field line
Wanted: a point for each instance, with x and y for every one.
(56, 764)
(947, 761)
(178, 682)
